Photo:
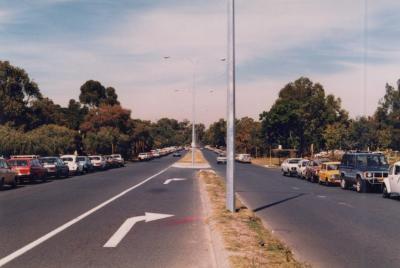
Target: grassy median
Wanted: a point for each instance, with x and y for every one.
(198, 157)
(247, 242)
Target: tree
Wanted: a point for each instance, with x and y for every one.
(92, 93)
(17, 91)
(216, 134)
(300, 115)
(111, 97)
(248, 136)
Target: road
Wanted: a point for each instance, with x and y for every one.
(34, 211)
(325, 226)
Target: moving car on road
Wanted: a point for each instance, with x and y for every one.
(55, 167)
(391, 184)
(7, 176)
(329, 173)
(177, 154)
(363, 170)
(74, 166)
(28, 169)
(289, 166)
(243, 158)
(221, 159)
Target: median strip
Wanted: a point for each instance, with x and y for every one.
(247, 242)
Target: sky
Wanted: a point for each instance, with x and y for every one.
(124, 44)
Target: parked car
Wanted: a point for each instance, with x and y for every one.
(363, 170)
(329, 173)
(143, 157)
(391, 184)
(313, 168)
(7, 175)
(289, 166)
(55, 167)
(177, 154)
(74, 166)
(243, 158)
(99, 162)
(301, 168)
(118, 158)
(87, 164)
(221, 159)
(28, 169)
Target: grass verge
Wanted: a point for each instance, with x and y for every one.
(198, 157)
(247, 242)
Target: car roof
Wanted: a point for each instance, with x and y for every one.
(331, 163)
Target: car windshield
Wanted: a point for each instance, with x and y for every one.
(18, 163)
(294, 161)
(94, 158)
(332, 167)
(372, 160)
(67, 159)
(80, 159)
(48, 160)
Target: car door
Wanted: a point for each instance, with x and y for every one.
(3, 171)
(351, 168)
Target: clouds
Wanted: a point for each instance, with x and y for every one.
(124, 44)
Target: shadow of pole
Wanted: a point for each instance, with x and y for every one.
(278, 202)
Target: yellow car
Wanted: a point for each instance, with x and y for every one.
(329, 173)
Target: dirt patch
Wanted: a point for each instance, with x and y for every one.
(247, 241)
(198, 157)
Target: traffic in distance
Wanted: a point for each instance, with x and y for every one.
(21, 169)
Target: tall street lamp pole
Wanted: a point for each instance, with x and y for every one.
(230, 139)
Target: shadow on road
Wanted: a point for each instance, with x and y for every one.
(278, 202)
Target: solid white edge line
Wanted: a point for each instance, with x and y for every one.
(42, 239)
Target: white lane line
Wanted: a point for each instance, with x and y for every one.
(321, 196)
(296, 188)
(42, 239)
(174, 179)
(345, 204)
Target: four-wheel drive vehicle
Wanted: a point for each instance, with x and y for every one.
(119, 160)
(243, 158)
(363, 170)
(329, 173)
(74, 166)
(7, 176)
(391, 184)
(289, 166)
(98, 162)
(28, 169)
(221, 159)
(55, 167)
(313, 168)
(301, 168)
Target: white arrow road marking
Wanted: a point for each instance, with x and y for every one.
(129, 223)
(174, 179)
(44, 238)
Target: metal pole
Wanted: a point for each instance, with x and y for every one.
(230, 137)
(194, 114)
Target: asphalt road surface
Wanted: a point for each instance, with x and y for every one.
(98, 204)
(326, 226)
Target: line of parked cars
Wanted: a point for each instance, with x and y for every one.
(21, 168)
(362, 171)
(157, 153)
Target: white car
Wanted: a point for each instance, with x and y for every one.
(119, 159)
(74, 165)
(391, 184)
(98, 161)
(221, 159)
(143, 157)
(301, 168)
(243, 158)
(289, 166)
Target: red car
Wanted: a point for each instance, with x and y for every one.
(28, 169)
(312, 169)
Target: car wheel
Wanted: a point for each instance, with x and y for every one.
(1, 183)
(361, 185)
(44, 177)
(14, 183)
(327, 183)
(385, 193)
